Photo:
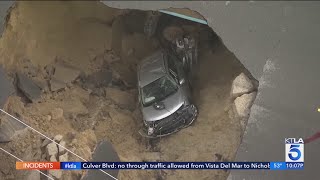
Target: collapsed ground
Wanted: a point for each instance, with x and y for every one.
(83, 56)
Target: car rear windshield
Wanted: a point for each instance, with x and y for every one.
(158, 90)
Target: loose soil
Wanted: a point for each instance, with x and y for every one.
(39, 34)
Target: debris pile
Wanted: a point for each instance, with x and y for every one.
(54, 151)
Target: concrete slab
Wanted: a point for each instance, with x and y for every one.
(104, 152)
(28, 87)
(65, 74)
(62, 76)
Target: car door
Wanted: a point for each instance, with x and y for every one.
(177, 71)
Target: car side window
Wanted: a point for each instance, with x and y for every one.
(172, 67)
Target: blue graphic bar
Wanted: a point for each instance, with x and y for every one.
(278, 166)
(286, 165)
(70, 165)
(295, 165)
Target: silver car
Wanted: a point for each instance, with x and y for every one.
(164, 95)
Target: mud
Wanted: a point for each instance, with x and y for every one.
(82, 35)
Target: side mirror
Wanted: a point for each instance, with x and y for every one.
(182, 81)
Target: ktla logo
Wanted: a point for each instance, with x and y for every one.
(294, 150)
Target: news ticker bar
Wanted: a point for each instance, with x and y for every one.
(159, 165)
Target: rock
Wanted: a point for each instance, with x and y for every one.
(49, 70)
(243, 104)
(57, 113)
(4, 137)
(99, 79)
(65, 74)
(48, 117)
(122, 98)
(10, 128)
(53, 159)
(241, 85)
(55, 173)
(41, 83)
(98, 92)
(63, 158)
(56, 85)
(105, 152)
(43, 157)
(28, 87)
(52, 149)
(32, 71)
(61, 149)
(58, 138)
(33, 175)
(45, 142)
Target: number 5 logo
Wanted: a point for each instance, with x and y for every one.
(294, 150)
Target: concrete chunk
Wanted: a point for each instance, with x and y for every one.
(65, 74)
(244, 103)
(28, 87)
(241, 85)
(63, 158)
(45, 142)
(61, 149)
(52, 149)
(56, 85)
(53, 159)
(62, 76)
(58, 138)
(55, 173)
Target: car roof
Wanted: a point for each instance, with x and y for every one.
(151, 68)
